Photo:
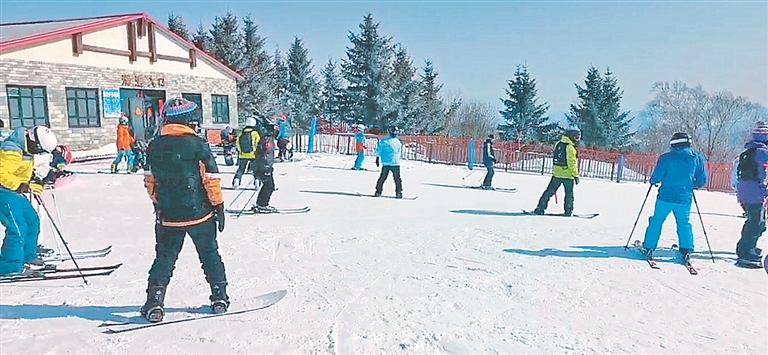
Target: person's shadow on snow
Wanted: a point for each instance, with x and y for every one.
(95, 313)
(583, 251)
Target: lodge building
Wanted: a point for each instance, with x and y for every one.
(79, 76)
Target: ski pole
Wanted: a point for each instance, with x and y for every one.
(42, 203)
(638, 216)
(702, 226)
(246, 204)
(58, 214)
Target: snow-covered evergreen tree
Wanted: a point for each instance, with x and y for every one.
(200, 38)
(332, 96)
(256, 93)
(301, 91)
(364, 69)
(401, 89)
(226, 41)
(598, 114)
(279, 78)
(524, 119)
(429, 104)
(177, 25)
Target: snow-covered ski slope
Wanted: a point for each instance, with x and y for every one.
(457, 271)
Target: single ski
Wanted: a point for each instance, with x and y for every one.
(78, 256)
(575, 215)
(87, 268)
(78, 252)
(384, 196)
(650, 259)
(264, 301)
(52, 276)
(691, 270)
(247, 188)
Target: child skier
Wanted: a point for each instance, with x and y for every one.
(247, 142)
(488, 159)
(679, 171)
(750, 192)
(359, 146)
(21, 222)
(263, 169)
(124, 143)
(389, 151)
(565, 171)
(187, 200)
(282, 137)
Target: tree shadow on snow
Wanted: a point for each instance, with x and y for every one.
(95, 313)
(661, 254)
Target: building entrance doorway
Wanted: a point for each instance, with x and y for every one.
(144, 109)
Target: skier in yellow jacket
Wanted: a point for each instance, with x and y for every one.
(21, 222)
(565, 171)
(247, 144)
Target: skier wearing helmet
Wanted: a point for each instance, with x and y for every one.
(21, 222)
(359, 146)
(565, 171)
(247, 143)
(187, 200)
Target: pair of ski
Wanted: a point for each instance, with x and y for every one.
(304, 209)
(60, 274)
(261, 302)
(85, 254)
(384, 196)
(497, 189)
(575, 215)
(652, 262)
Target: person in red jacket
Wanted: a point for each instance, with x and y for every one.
(124, 142)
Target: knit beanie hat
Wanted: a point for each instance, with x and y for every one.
(759, 133)
(177, 110)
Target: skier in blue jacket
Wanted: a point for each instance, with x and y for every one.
(389, 150)
(679, 171)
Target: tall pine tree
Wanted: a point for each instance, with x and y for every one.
(200, 38)
(523, 115)
(429, 104)
(279, 77)
(301, 94)
(332, 94)
(176, 25)
(226, 41)
(366, 64)
(256, 94)
(598, 114)
(401, 90)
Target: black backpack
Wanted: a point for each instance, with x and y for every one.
(560, 155)
(747, 169)
(246, 141)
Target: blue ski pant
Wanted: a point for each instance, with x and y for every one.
(359, 160)
(682, 214)
(22, 228)
(128, 154)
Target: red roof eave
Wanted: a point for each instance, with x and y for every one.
(106, 22)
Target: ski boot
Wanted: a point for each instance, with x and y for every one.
(265, 209)
(219, 298)
(538, 211)
(685, 254)
(43, 251)
(131, 168)
(113, 168)
(35, 262)
(377, 194)
(399, 195)
(153, 310)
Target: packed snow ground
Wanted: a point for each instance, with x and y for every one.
(456, 271)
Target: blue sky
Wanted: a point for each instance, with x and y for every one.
(475, 45)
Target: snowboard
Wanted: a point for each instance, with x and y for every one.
(261, 302)
(575, 215)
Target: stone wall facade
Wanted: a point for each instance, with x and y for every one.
(57, 77)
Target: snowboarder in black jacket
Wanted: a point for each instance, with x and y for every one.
(187, 200)
(488, 159)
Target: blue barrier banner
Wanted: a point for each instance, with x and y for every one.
(312, 132)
